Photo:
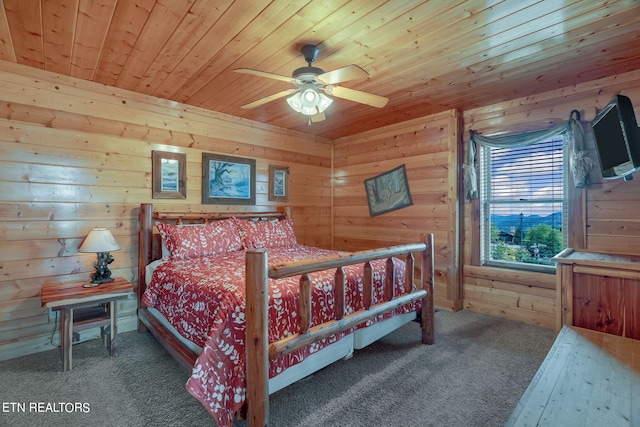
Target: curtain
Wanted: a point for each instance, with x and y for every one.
(579, 163)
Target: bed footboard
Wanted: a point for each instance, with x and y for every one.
(259, 352)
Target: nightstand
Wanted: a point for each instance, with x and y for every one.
(72, 296)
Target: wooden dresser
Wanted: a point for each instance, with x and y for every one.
(599, 291)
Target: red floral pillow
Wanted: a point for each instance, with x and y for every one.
(267, 234)
(193, 241)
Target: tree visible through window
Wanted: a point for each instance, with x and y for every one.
(523, 205)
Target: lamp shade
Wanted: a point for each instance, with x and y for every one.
(309, 97)
(324, 102)
(294, 102)
(99, 240)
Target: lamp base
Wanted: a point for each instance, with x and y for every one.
(102, 273)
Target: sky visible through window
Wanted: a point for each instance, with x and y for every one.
(527, 174)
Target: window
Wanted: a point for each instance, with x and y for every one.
(523, 207)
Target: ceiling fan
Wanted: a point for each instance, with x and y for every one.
(313, 84)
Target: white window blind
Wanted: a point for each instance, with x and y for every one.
(523, 205)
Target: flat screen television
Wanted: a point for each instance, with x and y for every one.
(617, 137)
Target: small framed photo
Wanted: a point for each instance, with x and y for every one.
(228, 180)
(278, 183)
(169, 172)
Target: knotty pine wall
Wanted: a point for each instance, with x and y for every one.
(75, 155)
(605, 215)
(428, 147)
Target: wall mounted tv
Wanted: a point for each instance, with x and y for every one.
(617, 137)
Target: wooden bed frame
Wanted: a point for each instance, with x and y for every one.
(259, 351)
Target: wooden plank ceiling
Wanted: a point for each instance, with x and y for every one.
(425, 56)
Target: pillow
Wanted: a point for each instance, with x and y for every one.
(267, 234)
(193, 241)
(166, 253)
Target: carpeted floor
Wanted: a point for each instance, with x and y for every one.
(473, 376)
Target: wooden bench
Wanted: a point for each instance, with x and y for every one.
(588, 378)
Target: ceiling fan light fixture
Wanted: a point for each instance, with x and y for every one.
(309, 102)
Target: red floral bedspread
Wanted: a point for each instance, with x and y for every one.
(204, 299)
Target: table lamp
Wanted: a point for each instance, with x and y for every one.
(100, 241)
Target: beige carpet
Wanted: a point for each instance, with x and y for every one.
(473, 376)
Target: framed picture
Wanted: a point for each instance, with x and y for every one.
(278, 183)
(169, 172)
(228, 180)
(388, 191)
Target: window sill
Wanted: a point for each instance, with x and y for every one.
(522, 266)
(504, 278)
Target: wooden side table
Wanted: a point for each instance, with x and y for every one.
(68, 297)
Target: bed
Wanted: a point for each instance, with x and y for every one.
(250, 311)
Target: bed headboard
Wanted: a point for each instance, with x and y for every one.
(149, 242)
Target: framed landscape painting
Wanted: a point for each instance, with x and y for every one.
(228, 180)
(388, 191)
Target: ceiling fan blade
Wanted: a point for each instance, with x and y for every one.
(344, 74)
(264, 74)
(269, 98)
(358, 96)
(318, 117)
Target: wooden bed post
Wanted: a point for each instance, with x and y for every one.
(144, 252)
(427, 314)
(257, 338)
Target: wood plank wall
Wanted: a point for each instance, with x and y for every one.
(74, 155)
(428, 147)
(608, 222)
